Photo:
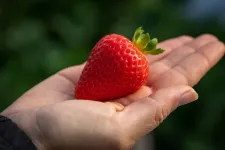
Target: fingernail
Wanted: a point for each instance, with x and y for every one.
(188, 97)
(117, 106)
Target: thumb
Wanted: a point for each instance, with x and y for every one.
(144, 115)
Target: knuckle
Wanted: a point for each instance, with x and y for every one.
(161, 112)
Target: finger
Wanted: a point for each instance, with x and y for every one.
(144, 91)
(198, 64)
(179, 55)
(187, 49)
(56, 88)
(142, 116)
(62, 83)
(201, 40)
(169, 45)
(192, 68)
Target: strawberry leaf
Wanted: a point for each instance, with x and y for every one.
(144, 43)
(156, 51)
(137, 33)
(151, 45)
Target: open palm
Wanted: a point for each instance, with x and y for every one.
(181, 66)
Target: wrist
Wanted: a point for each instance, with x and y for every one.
(14, 136)
(27, 122)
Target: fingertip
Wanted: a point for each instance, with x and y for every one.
(188, 97)
(222, 45)
(218, 45)
(143, 92)
(185, 38)
(145, 89)
(208, 37)
(176, 96)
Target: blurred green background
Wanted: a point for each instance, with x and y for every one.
(40, 37)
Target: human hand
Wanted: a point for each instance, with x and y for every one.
(53, 120)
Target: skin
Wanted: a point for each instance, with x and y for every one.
(51, 117)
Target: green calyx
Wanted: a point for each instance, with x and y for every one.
(146, 45)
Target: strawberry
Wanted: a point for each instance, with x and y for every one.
(116, 67)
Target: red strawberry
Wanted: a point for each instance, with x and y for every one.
(116, 67)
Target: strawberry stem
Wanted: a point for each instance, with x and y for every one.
(144, 43)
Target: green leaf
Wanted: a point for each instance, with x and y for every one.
(151, 45)
(137, 33)
(142, 41)
(156, 51)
